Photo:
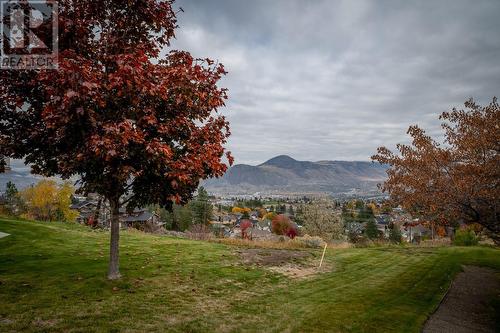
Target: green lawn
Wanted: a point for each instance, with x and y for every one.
(52, 278)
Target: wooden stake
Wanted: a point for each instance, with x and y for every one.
(323, 256)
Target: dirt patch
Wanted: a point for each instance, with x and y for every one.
(300, 271)
(467, 305)
(294, 264)
(270, 257)
(44, 323)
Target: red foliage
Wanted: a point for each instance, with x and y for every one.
(125, 124)
(281, 225)
(134, 130)
(244, 226)
(291, 232)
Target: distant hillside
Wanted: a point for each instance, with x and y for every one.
(21, 179)
(285, 174)
(20, 175)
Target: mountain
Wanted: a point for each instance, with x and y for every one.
(283, 174)
(21, 176)
(280, 175)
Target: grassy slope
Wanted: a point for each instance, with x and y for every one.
(52, 278)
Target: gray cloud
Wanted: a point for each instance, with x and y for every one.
(327, 79)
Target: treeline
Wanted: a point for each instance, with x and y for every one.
(198, 211)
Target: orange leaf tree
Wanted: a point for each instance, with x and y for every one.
(281, 225)
(136, 130)
(457, 180)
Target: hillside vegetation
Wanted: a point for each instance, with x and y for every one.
(51, 279)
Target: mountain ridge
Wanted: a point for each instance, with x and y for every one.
(286, 174)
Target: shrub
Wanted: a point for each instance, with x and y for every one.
(465, 237)
(291, 232)
(281, 225)
(200, 232)
(310, 241)
(148, 227)
(354, 237)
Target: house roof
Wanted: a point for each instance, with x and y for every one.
(264, 223)
(81, 204)
(123, 210)
(143, 217)
(418, 229)
(355, 226)
(382, 220)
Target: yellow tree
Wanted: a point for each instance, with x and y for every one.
(269, 216)
(63, 202)
(374, 208)
(237, 210)
(48, 201)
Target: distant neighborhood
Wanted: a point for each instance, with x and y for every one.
(272, 218)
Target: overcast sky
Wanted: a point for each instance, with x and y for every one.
(328, 79)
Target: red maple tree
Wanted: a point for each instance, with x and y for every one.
(135, 129)
(245, 225)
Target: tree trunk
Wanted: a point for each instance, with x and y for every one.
(175, 222)
(114, 265)
(97, 214)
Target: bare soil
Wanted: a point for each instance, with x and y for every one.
(467, 307)
(294, 264)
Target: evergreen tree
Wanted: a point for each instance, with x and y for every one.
(395, 234)
(11, 197)
(201, 207)
(359, 204)
(371, 230)
(10, 191)
(366, 214)
(180, 218)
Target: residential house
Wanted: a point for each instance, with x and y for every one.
(264, 225)
(414, 232)
(254, 215)
(355, 228)
(383, 221)
(140, 219)
(97, 213)
(87, 211)
(263, 235)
